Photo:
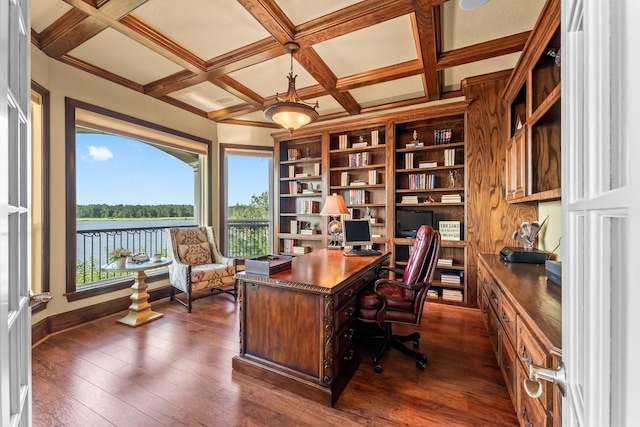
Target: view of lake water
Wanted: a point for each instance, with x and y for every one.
(106, 237)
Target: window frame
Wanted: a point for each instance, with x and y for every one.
(45, 191)
(71, 106)
(224, 150)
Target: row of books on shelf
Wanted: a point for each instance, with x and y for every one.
(358, 197)
(445, 198)
(451, 198)
(290, 246)
(449, 156)
(293, 173)
(373, 176)
(301, 227)
(445, 262)
(453, 277)
(359, 159)
(343, 141)
(421, 181)
(296, 187)
(452, 295)
(447, 294)
(442, 136)
(294, 154)
(308, 207)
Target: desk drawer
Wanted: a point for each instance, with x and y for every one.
(507, 317)
(531, 351)
(346, 313)
(531, 412)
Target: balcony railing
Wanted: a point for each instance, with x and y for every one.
(246, 238)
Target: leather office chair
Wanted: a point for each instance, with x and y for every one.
(402, 300)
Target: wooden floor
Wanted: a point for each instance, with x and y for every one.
(177, 371)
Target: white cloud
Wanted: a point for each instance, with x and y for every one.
(98, 154)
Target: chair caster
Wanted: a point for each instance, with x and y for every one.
(420, 364)
(377, 369)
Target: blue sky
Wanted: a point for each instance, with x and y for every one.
(115, 170)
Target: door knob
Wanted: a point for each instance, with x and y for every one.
(532, 385)
(41, 297)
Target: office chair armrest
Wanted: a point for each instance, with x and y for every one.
(414, 287)
(392, 269)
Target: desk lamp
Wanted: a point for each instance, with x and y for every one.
(335, 206)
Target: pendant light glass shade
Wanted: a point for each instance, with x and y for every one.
(291, 112)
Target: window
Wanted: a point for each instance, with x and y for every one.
(39, 192)
(246, 177)
(133, 179)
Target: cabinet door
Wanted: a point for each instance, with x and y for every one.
(516, 164)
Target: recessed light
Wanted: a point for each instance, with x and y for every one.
(471, 4)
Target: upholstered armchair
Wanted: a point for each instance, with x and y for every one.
(198, 269)
(401, 300)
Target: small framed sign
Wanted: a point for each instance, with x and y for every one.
(449, 230)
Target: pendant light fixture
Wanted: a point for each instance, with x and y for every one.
(291, 112)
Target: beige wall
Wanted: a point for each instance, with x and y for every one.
(63, 81)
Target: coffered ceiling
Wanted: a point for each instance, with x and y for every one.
(225, 60)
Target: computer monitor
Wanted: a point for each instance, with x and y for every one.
(356, 233)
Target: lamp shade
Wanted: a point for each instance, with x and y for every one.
(334, 206)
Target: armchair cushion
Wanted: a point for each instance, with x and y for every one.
(197, 254)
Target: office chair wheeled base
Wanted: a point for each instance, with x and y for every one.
(397, 341)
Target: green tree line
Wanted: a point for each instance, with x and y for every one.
(134, 211)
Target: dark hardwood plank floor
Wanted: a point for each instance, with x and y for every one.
(176, 371)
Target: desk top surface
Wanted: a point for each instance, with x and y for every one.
(322, 270)
(540, 300)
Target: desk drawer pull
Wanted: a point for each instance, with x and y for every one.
(505, 319)
(348, 335)
(253, 286)
(349, 293)
(350, 312)
(349, 355)
(523, 352)
(526, 422)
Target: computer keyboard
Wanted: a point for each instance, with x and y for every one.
(362, 252)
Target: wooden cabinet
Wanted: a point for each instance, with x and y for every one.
(299, 226)
(430, 160)
(379, 169)
(523, 316)
(358, 170)
(533, 159)
(516, 166)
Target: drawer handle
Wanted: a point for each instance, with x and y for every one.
(523, 352)
(505, 319)
(349, 335)
(532, 385)
(349, 355)
(526, 422)
(493, 296)
(349, 293)
(350, 312)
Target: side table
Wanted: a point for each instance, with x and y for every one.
(140, 310)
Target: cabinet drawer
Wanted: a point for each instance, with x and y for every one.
(346, 313)
(531, 412)
(507, 316)
(508, 365)
(346, 348)
(494, 295)
(493, 326)
(345, 295)
(531, 351)
(485, 308)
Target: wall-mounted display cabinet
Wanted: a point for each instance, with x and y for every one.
(533, 157)
(390, 170)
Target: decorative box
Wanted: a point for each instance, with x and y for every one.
(267, 264)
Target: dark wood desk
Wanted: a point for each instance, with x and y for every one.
(297, 326)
